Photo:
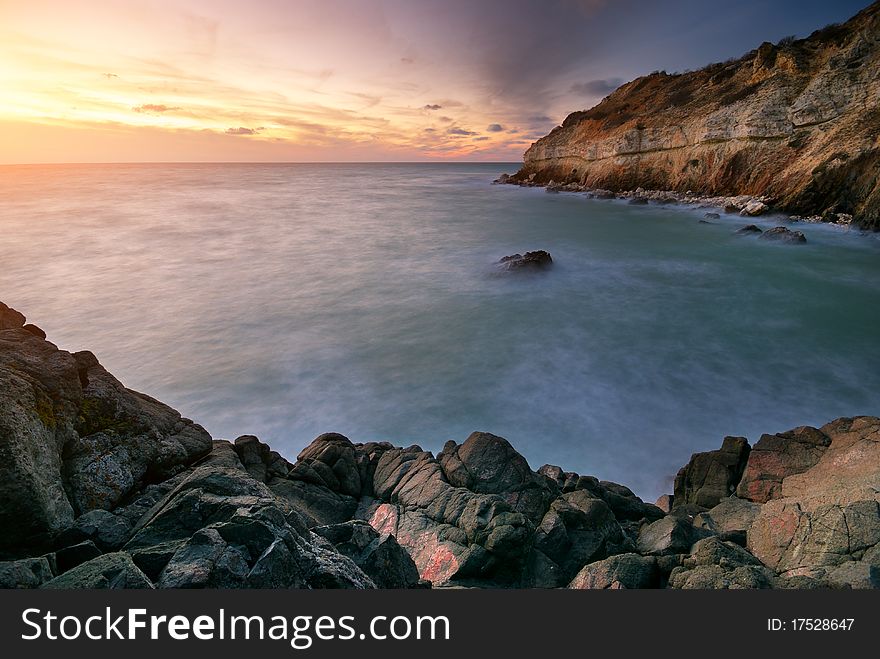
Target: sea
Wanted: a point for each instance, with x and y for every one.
(289, 300)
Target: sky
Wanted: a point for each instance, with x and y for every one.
(344, 80)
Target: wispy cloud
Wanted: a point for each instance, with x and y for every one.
(153, 108)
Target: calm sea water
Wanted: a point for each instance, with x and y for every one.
(290, 300)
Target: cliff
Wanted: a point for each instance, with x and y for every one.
(103, 487)
(797, 122)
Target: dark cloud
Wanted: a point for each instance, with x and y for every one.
(152, 108)
(495, 128)
(432, 107)
(455, 130)
(600, 87)
(539, 119)
(241, 130)
(482, 138)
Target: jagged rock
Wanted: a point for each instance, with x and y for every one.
(537, 260)
(749, 228)
(73, 439)
(774, 457)
(712, 476)
(379, 556)
(670, 535)
(332, 458)
(114, 570)
(615, 572)
(784, 235)
(26, 572)
(638, 201)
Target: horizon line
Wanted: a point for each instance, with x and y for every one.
(263, 162)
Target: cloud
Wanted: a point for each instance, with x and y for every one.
(539, 119)
(455, 130)
(600, 87)
(241, 130)
(152, 108)
(407, 60)
(482, 138)
(109, 76)
(495, 128)
(445, 120)
(431, 107)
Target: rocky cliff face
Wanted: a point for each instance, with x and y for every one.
(797, 122)
(103, 487)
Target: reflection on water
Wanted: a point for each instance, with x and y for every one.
(290, 300)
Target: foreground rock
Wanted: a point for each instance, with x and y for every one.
(106, 488)
(537, 260)
(793, 124)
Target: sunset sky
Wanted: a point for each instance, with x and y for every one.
(343, 80)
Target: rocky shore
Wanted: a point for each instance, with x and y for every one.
(744, 205)
(792, 126)
(104, 487)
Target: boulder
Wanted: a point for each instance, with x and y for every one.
(749, 228)
(854, 574)
(787, 536)
(730, 519)
(25, 573)
(616, 572)
(537, 260)
(114, 570)
(670, 535)
(10, 318)
(107, 530)
(577, 530)
(784, 235)
(775, 457)
(753, 209)
(712, 216)
(712, 476)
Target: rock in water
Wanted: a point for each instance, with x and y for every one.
(784, 235)
(537, 260)
(749, 228)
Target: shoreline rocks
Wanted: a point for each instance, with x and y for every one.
(127, 493)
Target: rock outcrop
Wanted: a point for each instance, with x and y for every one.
(104, 487)
(537, 260)
(795, 123)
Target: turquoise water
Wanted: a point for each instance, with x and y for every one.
(290, 300)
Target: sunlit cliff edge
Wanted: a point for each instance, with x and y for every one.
(798, 122)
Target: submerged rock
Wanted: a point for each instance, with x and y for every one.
(537, 260)
(749, 228)
(785, 235)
